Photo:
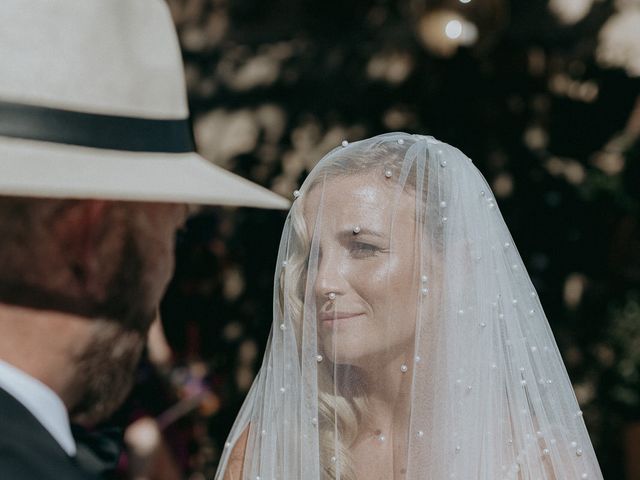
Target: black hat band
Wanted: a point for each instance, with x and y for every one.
(93, 130)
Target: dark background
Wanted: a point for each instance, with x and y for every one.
(545, 101)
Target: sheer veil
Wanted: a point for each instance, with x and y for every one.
(408, 341)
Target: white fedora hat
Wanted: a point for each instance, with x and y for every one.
(93, 105)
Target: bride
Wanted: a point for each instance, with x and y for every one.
(408, 341)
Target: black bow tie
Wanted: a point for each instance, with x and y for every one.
(98, 451)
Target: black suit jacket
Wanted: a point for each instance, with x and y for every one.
(27, 449)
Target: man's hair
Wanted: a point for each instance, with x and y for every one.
(39, 270)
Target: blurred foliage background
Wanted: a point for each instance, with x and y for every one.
(543, 95)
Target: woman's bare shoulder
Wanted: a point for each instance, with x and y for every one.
(236, 458)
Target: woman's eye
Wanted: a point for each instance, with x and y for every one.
(359, 249)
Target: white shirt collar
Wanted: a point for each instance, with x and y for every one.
(41, 401)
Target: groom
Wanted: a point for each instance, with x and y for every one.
(96, 171)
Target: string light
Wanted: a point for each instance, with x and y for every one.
(453, 29)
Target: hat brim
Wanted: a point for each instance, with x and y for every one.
(41, 169)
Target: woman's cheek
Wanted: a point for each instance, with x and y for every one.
(403, 285)
(372, 281)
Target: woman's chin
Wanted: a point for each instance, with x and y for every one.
(346, 351)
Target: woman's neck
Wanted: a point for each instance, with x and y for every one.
(387, 386)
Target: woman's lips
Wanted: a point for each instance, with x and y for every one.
(334, 316)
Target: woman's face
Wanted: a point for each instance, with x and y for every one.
(368, 279)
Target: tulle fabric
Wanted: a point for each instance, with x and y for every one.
(478, 388)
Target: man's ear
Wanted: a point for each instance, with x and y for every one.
(78, 228)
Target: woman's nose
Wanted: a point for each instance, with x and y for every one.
(329, 281)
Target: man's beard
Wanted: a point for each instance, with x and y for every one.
(105, 371)
(106, 368)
